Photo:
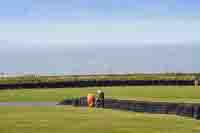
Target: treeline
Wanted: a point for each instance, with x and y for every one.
(101, 77)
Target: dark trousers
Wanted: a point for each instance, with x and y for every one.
(99, 103)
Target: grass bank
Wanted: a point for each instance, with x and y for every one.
(150, 93)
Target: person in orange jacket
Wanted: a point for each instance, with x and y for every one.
(90, 100)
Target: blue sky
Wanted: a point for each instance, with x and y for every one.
(26, 22)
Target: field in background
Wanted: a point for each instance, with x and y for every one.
(76, 120)
(38, 79)
(148, 93)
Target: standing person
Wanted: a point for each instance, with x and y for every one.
(90, 100)
(99, 102)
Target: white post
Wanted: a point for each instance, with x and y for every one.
(196, 83)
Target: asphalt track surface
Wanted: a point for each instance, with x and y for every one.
(28, 103)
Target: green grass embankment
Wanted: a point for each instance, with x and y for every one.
(147, 93)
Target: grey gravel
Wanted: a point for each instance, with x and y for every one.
(28, 103)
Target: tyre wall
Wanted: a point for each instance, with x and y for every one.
(181, 109)
(92, 83)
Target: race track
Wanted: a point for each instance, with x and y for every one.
(28, 103)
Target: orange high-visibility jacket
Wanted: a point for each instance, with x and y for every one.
(90, 100)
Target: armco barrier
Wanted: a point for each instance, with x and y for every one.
(91, 83)
(181, 109)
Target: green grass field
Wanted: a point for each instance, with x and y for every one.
(64, 119)
(83, 120)
(151, 93)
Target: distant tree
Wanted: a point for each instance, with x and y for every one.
(2, 74)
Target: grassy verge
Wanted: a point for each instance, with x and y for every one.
(151, 93)
(76, 120)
